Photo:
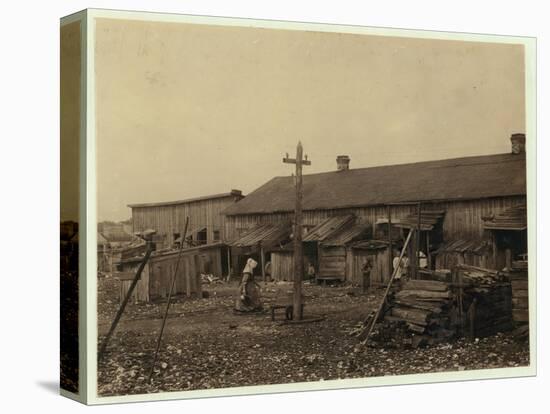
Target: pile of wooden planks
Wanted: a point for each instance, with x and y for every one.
(485, 299)
(467, 301)
(417, 314)
(520, 289)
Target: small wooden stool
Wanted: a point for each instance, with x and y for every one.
(289, 311)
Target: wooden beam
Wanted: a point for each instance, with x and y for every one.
(125, 301)
(428, 254)
(262, 262)
(389, 237)
(172, 285)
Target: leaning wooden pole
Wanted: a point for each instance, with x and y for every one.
(125, 301)
(174, 277)
(370, 327)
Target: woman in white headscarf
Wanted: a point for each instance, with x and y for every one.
(249, 293)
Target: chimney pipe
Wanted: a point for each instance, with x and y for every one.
(342, 162)
(518, 143)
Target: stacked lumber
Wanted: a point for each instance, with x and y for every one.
(417, 314)
(422, 304)
(520, 290)
(485, 295)
(466, 301)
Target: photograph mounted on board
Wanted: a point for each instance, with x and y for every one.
(300, 203)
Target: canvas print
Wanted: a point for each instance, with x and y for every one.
(291, 205)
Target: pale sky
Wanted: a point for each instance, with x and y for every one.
(189, 110)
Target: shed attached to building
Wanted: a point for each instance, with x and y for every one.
(206, 223)
(258, 244)
(157, 275)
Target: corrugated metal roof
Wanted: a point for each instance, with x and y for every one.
(328, 228)
(515, 218)
(157, 254)
(232, 193)
(119, 237)
(428, 219)
(349, 234)
(192, 233)
(453, 179)
(100, 239)
(267, 234)
(464, 246)
(370, 245)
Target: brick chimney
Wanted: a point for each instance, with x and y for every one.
(518, 143)
(342, 162)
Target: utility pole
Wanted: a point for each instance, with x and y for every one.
(298, 257)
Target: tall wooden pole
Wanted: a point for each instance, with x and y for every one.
(298, 254)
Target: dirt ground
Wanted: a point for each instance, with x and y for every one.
(207, 345)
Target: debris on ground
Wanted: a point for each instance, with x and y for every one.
(205, 345)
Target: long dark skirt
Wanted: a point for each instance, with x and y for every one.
(249, 295)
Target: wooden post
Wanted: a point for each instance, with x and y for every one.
(197, 276)
(228, 264)
(508, 253)
(428, 254)
(262, 261)
(389, 237)
(298, 254)
(417, 242)
(494, 245)
(472, 319)
(189, 274)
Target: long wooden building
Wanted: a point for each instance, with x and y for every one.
(206, 223)
(460, 198)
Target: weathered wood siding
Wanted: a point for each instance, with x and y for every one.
(157, 275)
(162, 270)
(282, 266)
(462, 218)
(141, 291)
(451, 259)
(332, 262)
(356, 258)
(170, 219)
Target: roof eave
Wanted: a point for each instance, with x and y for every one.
(411, 202)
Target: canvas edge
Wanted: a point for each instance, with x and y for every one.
(81, 396)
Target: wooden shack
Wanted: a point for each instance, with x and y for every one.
(258, 244)
(328, 247)
(282, 264)
(508, 234)
(157, 275)
(469, 252)
(375, 251)
(206, 223)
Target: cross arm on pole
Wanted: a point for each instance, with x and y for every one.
(287, 160)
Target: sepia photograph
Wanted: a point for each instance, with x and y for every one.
(303, 204)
